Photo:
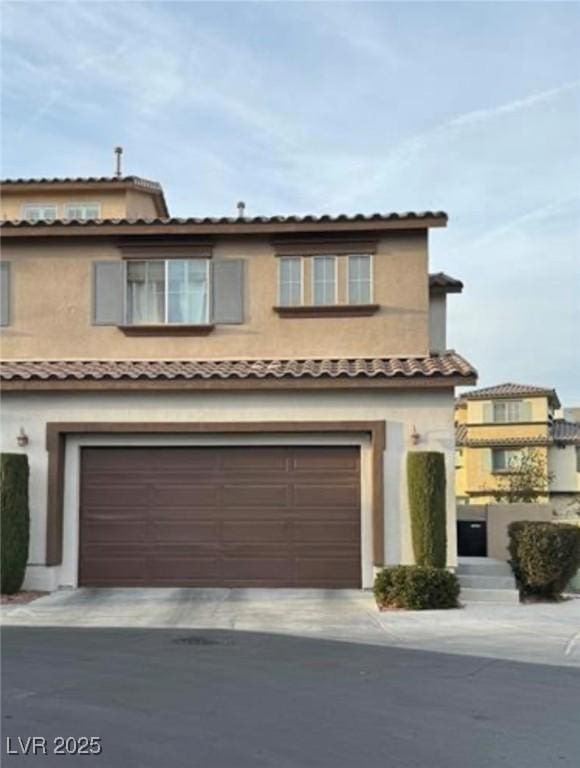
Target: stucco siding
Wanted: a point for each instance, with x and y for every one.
(430, 412)
(51, 309)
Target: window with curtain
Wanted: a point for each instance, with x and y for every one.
(39, 212)
(83, 211)
(290, 282)
(171, 291)
(503, 460)
(507, 411)
(324, 280)
(359, 279)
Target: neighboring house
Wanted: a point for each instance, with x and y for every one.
(218, 401)
(494, 425)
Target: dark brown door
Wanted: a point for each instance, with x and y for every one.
(240, 516)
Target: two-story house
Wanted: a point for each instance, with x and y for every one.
(496, 425)
(218, 401)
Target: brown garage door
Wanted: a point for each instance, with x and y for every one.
(247, 516)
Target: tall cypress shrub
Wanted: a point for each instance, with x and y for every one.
(15, 520)
(426, 488)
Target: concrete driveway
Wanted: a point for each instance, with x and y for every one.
(546, 634)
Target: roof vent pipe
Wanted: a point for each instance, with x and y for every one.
(241, 206)
(118, 153)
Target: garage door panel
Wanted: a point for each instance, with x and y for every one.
(190, 531)
(166, 495)
(235, 516)
(255, 495)
(254, 531)
(335, 496)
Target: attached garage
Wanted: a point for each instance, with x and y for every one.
(246, 516)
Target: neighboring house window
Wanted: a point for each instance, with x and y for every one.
(507, 411)
(171, 291)
(39, 212)
(324, 280)
(359, 279)
(83, 211)
(290, 282)
(502, 460)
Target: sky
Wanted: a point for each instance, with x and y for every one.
(293, 107)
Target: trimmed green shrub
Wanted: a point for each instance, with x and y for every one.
(416, 587)
(426, 488)
(543, 556)
(15, 519)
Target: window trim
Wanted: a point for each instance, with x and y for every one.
(81, 204)
(505, 470)
(129, 326)
(369, 256)
(506, 404)
(25, 206)
(300, 259)
(334, 258)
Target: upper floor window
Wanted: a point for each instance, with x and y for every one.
(359, 279)
(507, 411)
(324, 280)
(503, 460)
(39, 212)
(83, 211)
(168, 291)
(290, 282)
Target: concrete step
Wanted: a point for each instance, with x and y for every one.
(477, 581)
(483, 566)
(470, 595)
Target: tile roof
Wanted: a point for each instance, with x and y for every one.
(139, 180)
(441, 282)
(511, 390)
(561, 431)
(446, 365)
(245, 220)
(566, 431)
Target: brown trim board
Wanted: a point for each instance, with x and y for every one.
(327, 310)
(56, 433)
(251, 384)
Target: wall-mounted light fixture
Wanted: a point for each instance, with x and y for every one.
(22, 438)
(415, 436)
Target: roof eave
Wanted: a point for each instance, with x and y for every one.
(171, 227)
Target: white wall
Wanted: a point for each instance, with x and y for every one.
(430, 412)
(562, 463)
(437, 323)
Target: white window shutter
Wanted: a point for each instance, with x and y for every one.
(108, 292)
(488, 413)
(4, 293)
(228, 291)
(526, 410)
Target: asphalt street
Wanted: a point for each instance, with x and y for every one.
(222, 699)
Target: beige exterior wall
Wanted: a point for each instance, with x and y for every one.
(51, 308)
(498, 517)
(562, 462)
(431, 412)
(478, 479)
(114, 204)
(476, 409)
(140, 205)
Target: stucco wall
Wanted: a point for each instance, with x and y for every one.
(51, 309)
(113, 203)
(477, 476)
(562, 463)
(476, 409)
(429, 411)
(437, 323)
(498, 517)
